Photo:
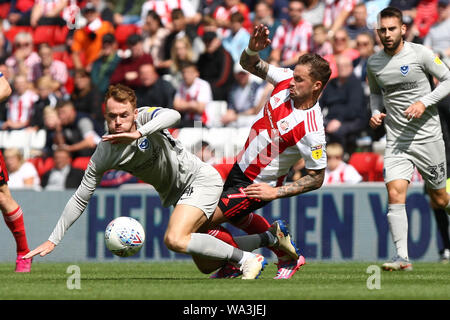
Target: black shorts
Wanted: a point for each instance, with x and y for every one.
(3, 172)
(233, 202)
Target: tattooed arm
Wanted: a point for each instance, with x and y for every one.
(312, 181)
(251, 61)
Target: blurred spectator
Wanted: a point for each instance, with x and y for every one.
(205, 153)
(216, 66)
(87, 42)
(46, 88)
(20, 12)
(181, 53)
(48, 12)
(22, 174)
(438, 38)
(208, 7)
(293, 39)
(127, 71)
(51, 125)
(87, 98)
(358, 23)
(314, 10)
(23, 58)
(154, 34)
(336, 14)
(20, 104)
(279, 7)
(426, 15)
(5, 44)
(153, 91)
(242, 99)
(126, 11)
(223, 13)
(62, 175)
(373, 8)
(192, 96)
(412, 33)
(337, 170)
(49, 66)
(105, 9)
(320, 44)
(345, 110)
(365, 44)
(341, 46)
(180, 28)
(237, 38)
(164, 9)
(76, 132)
(104, 66)
(264, 15)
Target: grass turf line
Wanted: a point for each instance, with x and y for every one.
(182, 281)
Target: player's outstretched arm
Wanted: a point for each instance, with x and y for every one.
(42, 250)
(250, 59)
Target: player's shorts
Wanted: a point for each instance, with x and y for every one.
(429, 159)
(234, 203)
(205, 191)
(3, 172)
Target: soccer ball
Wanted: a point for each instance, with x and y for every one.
(124, 236)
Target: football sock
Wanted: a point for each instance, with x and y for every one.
(209, 247)
(398, 226)
(14, 221)
(223, 234)
(442, 224)
(255, 224)
(255, 241)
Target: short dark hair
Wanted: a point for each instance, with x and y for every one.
(390, 12)
(121, 93)
(319, 67)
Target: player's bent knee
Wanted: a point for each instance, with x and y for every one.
(175, 243)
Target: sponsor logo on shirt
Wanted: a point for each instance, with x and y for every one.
(401, 87)
(437, 60)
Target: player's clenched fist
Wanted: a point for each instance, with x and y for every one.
(376, 120)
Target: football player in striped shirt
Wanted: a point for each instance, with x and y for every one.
(289, 127)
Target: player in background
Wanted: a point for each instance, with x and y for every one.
(12, 212)
(289, 127)
(138, 142)
(399, 80)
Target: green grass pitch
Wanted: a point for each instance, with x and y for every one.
(181, 281)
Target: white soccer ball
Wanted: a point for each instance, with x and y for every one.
(124, 236)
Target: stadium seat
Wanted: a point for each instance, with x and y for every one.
(367, 164)
(81, 162)
(53, 35)
(42, 165)
(14, 30)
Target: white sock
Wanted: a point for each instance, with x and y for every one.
(207, 246)
(398, 226)
(255, 241)
(244, 258)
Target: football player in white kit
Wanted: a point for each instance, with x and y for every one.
(399, 80)
(138, 142)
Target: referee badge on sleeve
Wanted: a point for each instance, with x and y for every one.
(317, 151)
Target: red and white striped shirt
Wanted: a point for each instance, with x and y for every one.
(164, 9)
(199, 90)
(344, 173)
(333, 9)
(20, 107)
(282, 134)
(293, 39)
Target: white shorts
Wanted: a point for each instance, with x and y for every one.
(204, 192)
(428, 158)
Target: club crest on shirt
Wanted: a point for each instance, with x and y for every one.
(404, 70)
(317, 151)
(144, 144)
(283, 126)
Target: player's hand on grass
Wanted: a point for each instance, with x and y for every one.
(42, 250)
(376, 120)
(261, 191)
(123, 137)
(415, 110)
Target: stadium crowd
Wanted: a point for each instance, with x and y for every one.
(60, 56)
